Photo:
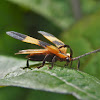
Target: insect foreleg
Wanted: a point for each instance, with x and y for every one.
(66, 64)
(78, 64)
(71, 51)
(71, 64)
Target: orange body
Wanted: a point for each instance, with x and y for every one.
(49, 53)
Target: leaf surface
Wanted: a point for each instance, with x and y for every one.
(60, 80)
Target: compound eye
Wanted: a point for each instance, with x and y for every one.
(67, 59)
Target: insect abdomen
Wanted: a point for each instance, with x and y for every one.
(39, 57)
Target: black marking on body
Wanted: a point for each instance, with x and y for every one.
(45, 33)
(41, 57)
(63, 46)
(44, 44)
(16, 35)
(57, 43)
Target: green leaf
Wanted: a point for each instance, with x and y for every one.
(14, 94)
(17, 93)
(60, 80)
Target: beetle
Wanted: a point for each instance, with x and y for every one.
(50, 53)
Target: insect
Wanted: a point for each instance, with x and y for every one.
(50, 53)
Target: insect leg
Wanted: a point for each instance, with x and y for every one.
(71, 64)
(27, 64)
(53, 60)
(66, 64)
(43, 61)
(71, 51)
(78, 65)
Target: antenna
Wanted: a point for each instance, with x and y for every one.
(95, 51)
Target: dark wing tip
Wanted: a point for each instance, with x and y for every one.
(16, 35)
(58, 43)
(45, 33)
(42, 32)
(9, 32)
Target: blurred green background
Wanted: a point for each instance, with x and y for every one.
(76, 22)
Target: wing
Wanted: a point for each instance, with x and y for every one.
(37, 54)
(31, 40)
(54, 40)
(33, 51)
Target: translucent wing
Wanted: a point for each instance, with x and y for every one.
(54, 40)
(31, 40)
(33, 51)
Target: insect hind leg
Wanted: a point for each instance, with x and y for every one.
(43, 61)
(27, 64)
